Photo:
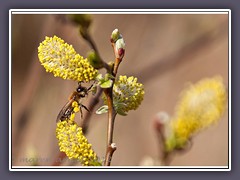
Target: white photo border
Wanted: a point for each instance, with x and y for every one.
(120, 11)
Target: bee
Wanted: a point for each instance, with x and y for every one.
(76, 95)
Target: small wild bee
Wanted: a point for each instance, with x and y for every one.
(76, 95)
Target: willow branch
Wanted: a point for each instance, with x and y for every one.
(116, 65)
(110, 150)
(85, 34)
(164, 155)
(94, 101)
(111, 117)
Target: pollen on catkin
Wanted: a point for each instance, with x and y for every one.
(72, 141)
(62, 60)
(76, 146)
(127, 94)
(201, 105)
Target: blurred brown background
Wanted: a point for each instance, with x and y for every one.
(164, 51)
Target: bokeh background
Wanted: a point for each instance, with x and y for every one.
(164, 51)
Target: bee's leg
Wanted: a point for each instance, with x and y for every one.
(88, 89)
(81, 105)
(81, 113)
(84, 107)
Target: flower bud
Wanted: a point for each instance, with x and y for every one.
(120, 48)
(160, 120)
(115, 35)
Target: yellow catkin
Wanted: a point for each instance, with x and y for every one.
(76, 146)
(201, 105)
(61, 59)
(127, 94)
(72, 141)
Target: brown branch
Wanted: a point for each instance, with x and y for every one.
(85, 34)
(110, 150)
(108, 92)
(94, 101)
(164, 155)
(111, 115)
(111, 118)
(116, 65)
(159, 126)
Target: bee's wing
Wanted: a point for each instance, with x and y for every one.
(61, 114)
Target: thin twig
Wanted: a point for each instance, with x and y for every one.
(110, 150)
(166, 158)
(87, 37)
(108, 92)
(163, 154)
(116, 65)
(94, 101)
(90, 41)
(111, 116)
